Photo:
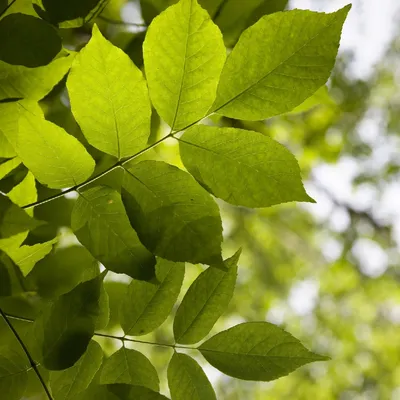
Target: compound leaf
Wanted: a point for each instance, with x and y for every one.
(109, 98)
(187, 380)
(257, 351)
(183, 56)
(174, 217)
(205, 301)
(242, 167)
(146, 305)
(278, 63)
(102, 226)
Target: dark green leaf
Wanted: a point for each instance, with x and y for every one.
(146, 305)
(13, 374)
(67, 384)
(187, 380)
(242, 167)
(174, 217)
(27, 40)
(5, 280)
(61, 271)
(13, 219)
(257, 351)
(120, 392)
(68, 325)
(205, 301)
(278, 63)
(131, 367)
(183, 57)
(101, 225)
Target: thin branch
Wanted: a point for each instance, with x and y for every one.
(31, 361)
(5, 10)
(108, 170)
(121, 338)
(117, 22)
(126, 339)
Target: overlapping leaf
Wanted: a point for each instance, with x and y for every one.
(65, 328)
(183, 57)
(278, 63)
(262, 172)
(146, 305)
(187, 380)
(116, 119)
(256, 351)
(173, 216)
(102, 226)
(57, 159)
(17, 81)
(130, 367)
(205, 301)
(13, 374)
(67, 384)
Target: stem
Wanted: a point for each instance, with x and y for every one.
(116, 22)
(126, 339)
(77, 187)
(5, 10)
(31, 361)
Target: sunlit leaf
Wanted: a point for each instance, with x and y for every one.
(102, 226)
(256, 351)
(278, 63)
(183, 58)
(204, 302)
(109, 98)
(146, 305)
(242, 167)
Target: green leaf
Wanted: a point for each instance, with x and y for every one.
(187, 380)
(120, 391)
(61, 271)
(25, 192)
(131, 367)
(174, 217)
(14, 220)
(183, 57)
(5, 280)
(70, 14)
(100, 223)
(17, 81)
(13, 374)
(67, 384)
(9, 127)
(25, 257)
(242, 167)
(205, 301)
(28, 41)
(109, 98)
(146, 305)
(257, 351)
(57, 159)
(278, 63)
(8, 166)
(66, 327)
(104, 305)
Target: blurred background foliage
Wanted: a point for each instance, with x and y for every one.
(327, 272)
